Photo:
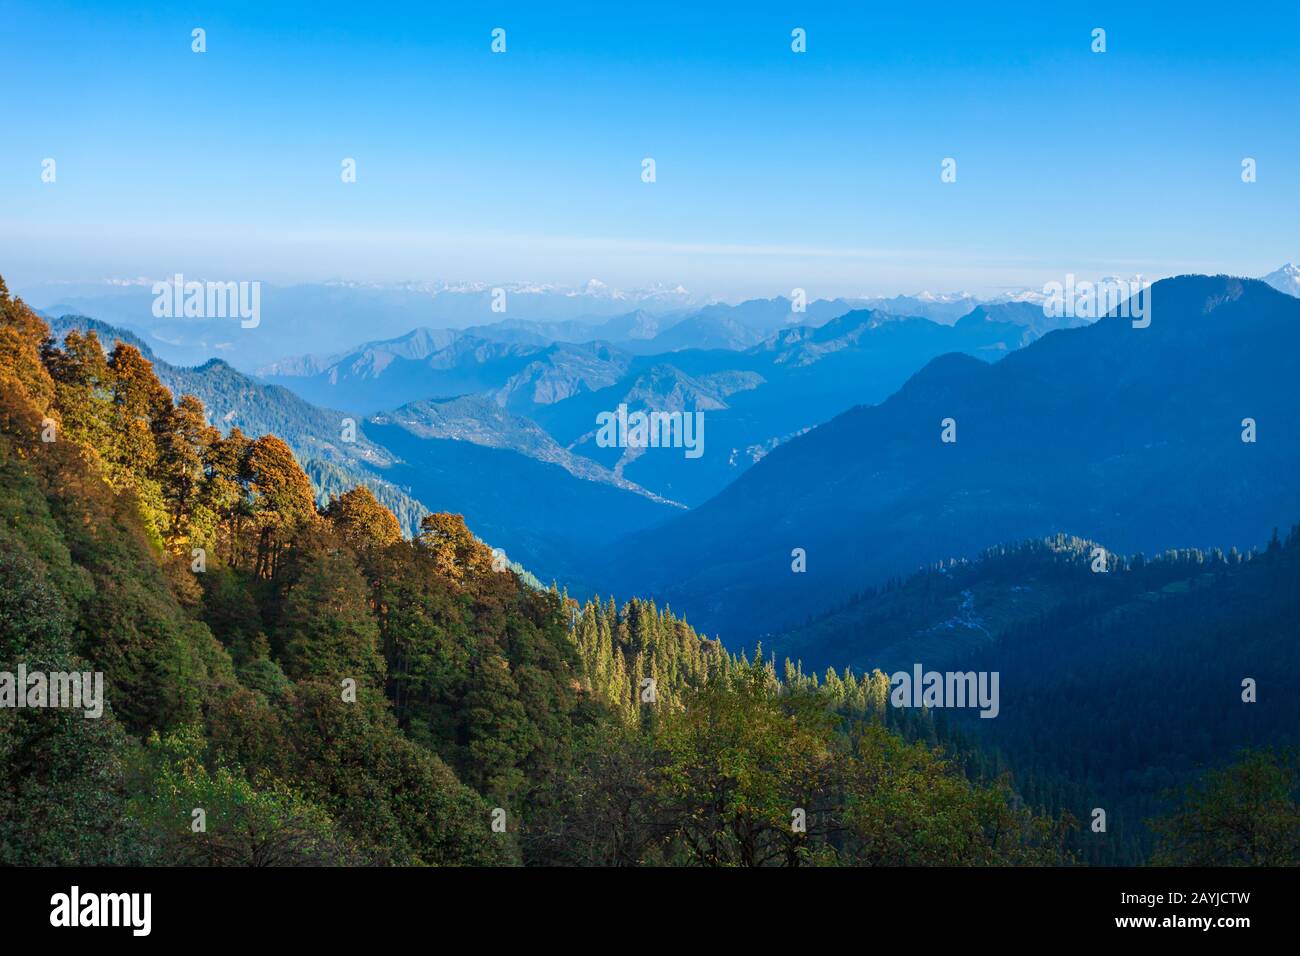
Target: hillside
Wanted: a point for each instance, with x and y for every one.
(480, 421)
(1084, 658)
(1107, 431)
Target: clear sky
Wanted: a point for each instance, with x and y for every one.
(774, 169)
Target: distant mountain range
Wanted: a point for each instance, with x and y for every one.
(753, 400)
(1132, 436)
(327, 315)
(432, 363)
(755, 397)
(647, 331)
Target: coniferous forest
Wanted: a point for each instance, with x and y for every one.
(325, 689)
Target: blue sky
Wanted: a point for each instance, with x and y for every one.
(774, 170)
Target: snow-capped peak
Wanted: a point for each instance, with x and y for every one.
(1285, 279)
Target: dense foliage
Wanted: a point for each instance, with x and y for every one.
(288, 683)
(1117, 688)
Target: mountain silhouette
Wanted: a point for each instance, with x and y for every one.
(1130, 436)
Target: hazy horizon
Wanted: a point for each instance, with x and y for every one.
(596, 288)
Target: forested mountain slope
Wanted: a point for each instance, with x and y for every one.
(325, 691)
(1116, 686)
